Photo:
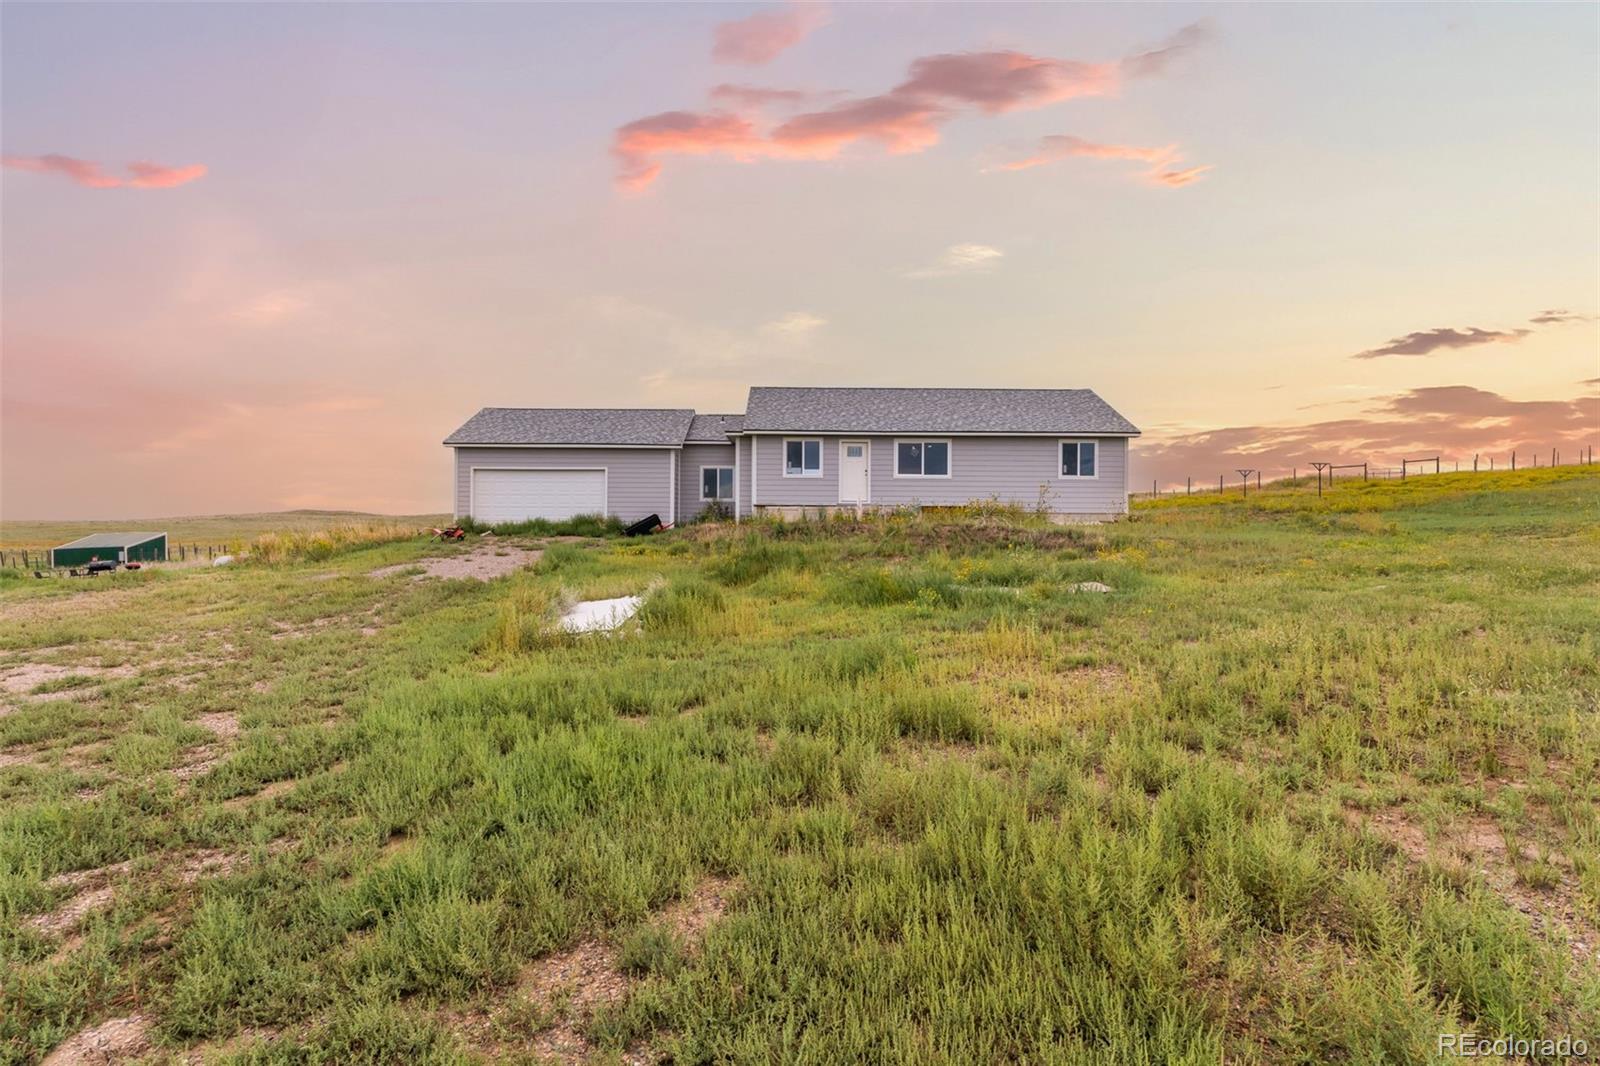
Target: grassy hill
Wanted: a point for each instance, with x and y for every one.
(1310, 783)
(229, 530)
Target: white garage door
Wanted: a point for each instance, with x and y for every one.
(517, 495)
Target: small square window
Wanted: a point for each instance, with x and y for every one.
(1078, 458)
(802, 458)
(716, 483)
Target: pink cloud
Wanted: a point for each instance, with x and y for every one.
(680, 133)
(906, 118)
(156, 176)
(1061, 146)
(900, 124)
(1176, 179)
(1157, 59)
(763, 37)
(91, 175)
(996, 82)
(754, 97)
(81, 171)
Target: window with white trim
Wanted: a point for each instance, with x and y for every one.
(802, 458)
(716, 482)
(1079, 458)
(921, 458)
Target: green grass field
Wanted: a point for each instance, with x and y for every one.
(1313, 783)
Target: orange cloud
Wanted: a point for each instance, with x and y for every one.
(762, 38)
(91, 175)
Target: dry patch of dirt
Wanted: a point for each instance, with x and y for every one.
(224, 726)
(95, 888)
(1477, 844)
(919, 755)
(114, 1041)
(689, 917)
(84, 597)
(22, 679)
(242, 1041)
(483, 562)
(571, 985)
(277, 788)
(289, 631)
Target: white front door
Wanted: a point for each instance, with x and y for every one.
(854, 486)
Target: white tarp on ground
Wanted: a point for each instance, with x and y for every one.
(595, 615)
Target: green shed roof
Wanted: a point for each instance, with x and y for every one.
(112, 540)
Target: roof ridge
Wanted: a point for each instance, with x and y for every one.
(673, 410)
(929, 388)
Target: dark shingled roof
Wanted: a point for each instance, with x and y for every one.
(843, 410)
(713, 429)
(644, 427)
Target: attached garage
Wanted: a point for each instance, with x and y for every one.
(500, 495)
(514, 464)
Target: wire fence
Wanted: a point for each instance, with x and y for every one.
(39, 558)
(1245, 480)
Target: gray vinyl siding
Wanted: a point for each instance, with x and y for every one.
(1013, 470)
(694, 457)
(638, 480)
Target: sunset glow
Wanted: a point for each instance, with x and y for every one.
(261, 257)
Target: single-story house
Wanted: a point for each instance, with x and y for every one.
(799, 450)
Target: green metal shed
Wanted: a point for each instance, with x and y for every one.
(112, 547)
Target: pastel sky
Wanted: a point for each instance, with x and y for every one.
(268, 256)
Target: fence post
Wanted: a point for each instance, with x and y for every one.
(1188, 486)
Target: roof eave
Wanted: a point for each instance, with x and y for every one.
(554, 444)
(951, 432)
